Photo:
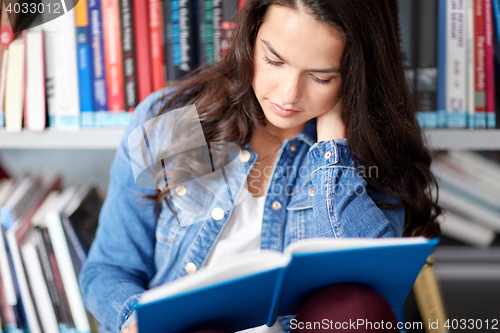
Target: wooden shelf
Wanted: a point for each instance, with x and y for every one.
(439, 139)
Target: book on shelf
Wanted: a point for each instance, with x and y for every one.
(7, 36)
(14, 90)
(271, 284)
(83, 51)
(157, 45)
(34, 80)
(128, 48)
(142, 48)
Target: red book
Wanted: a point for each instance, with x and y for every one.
(113, 57)
(479, 56)
(490, 70)
(155, 31)
(142, 49)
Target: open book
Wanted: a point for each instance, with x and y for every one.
(253, 289)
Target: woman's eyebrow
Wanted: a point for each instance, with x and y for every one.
(273, 51)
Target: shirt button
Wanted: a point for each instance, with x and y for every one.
(245, 156)
(276, 205)
(328, 154)
(217, 213)
(311, 191)
(180, 190)
(293, 148)
(190, 268)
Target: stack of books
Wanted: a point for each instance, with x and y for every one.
(469, 191)
(449, 49)
(45, 237)
(92, 65)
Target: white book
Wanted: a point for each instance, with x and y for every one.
(487, 217)
(471, 90)
(34, 106)
(463, 229)
(24, 291)
(14, 90)
(487, 182)
(476, 164)
(456, 64)
(49, 49)
(8, 186)
(68, 275)
(62, 38)
(455, 180)
(38, 286)
(18, 202)
(7, 274)
(38, 219)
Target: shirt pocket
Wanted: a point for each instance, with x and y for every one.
(300, 213)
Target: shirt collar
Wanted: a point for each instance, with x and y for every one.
(308, 133)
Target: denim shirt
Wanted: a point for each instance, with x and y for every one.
(135, 250)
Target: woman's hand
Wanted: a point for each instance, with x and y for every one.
(132, 328)
(330, 124)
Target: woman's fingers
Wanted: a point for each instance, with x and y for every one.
(132, 328)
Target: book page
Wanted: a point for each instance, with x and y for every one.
(331, 244)
(231, 269)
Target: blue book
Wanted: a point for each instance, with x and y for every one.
(97, 49)
(84, 55)
(441, 65)
(253, 289)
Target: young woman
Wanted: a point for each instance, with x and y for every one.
(312, 86)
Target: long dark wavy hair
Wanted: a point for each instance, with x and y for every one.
(379, 112)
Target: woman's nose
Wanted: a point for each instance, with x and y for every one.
(290, 91)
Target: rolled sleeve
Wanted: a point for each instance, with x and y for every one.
(342, 206)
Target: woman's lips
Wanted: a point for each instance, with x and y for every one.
(281, 112)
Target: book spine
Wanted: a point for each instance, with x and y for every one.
(14, 89)
(429, 299)
(113, 56)
(73, 238)
(181, 40)
(67, 97)
(7, 310)
(25, 299)
(48, 274)
(7, 37)
(216, 26)
(426, 71)
(68, 275)
(98, 69)
(471, 68)
(229, 10)
(128, 40)
(496, 62)
(34, 82)
(142, 49)
(479, 64)
(441, 65)
(83, 50)
(205, 32)
(157, 47)
(25, 65)
(490, 68)
(456, 62)
(64, 312)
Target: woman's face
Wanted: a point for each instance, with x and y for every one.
(296, 68)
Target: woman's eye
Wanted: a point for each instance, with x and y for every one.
(273, 63)
(321, 81)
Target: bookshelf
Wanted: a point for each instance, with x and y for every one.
(108, 139)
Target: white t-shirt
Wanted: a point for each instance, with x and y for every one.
(241, 234)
